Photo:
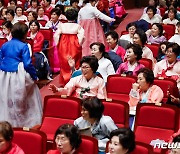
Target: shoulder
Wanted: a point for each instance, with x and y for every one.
(53, 152)
(156, 88)
(105, 119)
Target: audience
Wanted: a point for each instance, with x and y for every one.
(6, 30)
(41, 15)
(131, 66)
(10, 16)
(153, 3)
(33, 6)
(67, 139)
(176, 37)
(6, 137)
(122, 141)
(19, 14)
(171, 17)
(92, 116)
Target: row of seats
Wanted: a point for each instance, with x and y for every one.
(60, 110)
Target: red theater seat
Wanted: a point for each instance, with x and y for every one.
(118, 87)
(146, 62)
(118, 111)
(31, 141)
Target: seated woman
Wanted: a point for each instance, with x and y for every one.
(6, 30)
(41, 15)
(33, 6)
(92, 116)
(122, 141)
(169, 67)
(171, 17)
(105, 66)
(131, 28)
(144, 91)
(10, 16)
(155, 34)
(112, 40)
(31, 16)
(141, 39)
(87, 84)
(150, 16)
(155, 4)
(19, 14)
(6, 137)
(131, 66)
(176, 37)
(67, 139)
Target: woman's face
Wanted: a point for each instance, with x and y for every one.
(87, 71)
(54, 17)
(143, 85)
(170, 55)
(34, 4)
(63, 144)
(4, 12)
(41, 12)
(115, 147)
(111, 42)
(151, 2)
(4, 145)
(178, 29)
(150, 13)
(95, 52)
(9, 17)
(175, 151)
(46, 3)
(5, 30)
(33, 28)
(131, 57)
(171, 15)
(131, 30)
(155, 31)
(136, 39)
(19, 12)
(84, 113)
(30, 17)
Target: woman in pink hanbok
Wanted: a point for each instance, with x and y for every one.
(88, 18)
(87, 84)
(54, 24)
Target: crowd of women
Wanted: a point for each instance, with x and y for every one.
(84, 56)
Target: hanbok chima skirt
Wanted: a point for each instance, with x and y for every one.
(20, 99)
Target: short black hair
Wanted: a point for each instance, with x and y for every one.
(151, 8)
(11, 12)
(94, 106)
(176, 139)
(92, 61)
(34, 14)
(113, 34)
(36, 22)
(61, 7)
(19, 30)
(34, 1)
(71, 14)
(136, 49)
(19, 7)
(73, 1)
(142, 36)
(6, 130)
(56, 11)
(126, 138)
(72, 133)
(148, 74)
(175, 48)
(8, 24)
(130, 25)
(160, 27)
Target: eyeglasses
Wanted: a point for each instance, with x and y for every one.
(85, 67)
(169, 51)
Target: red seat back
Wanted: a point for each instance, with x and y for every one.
(89, 145)
(146, 62)
(118, 111)
(142, 148)
(124, 32)
(162, 10)
(42, 22)
(1, 21)
(155, 122)
(58, 111)
(167, 85)
(31, 141)
(154, 48)
(118, 87)
(169, 30)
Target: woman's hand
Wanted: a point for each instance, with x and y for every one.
(174, 99)
(71, 62)
(135, 86)
(53, 88)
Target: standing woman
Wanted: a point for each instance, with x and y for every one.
(88, 18)
(20, 99)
